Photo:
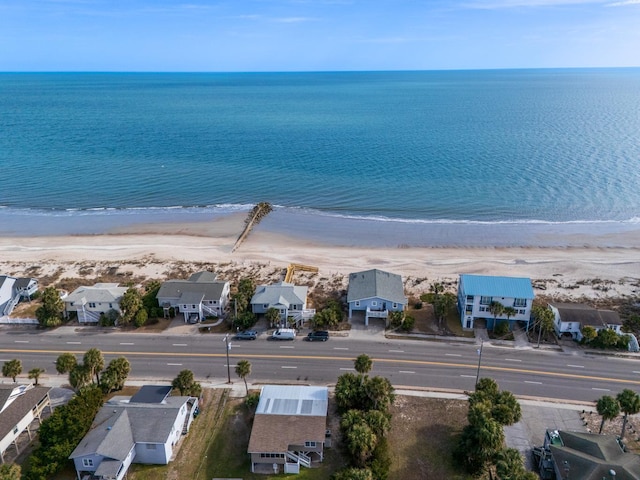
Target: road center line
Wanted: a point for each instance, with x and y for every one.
(601, 389)
(537, 383)
(576, 366)
(513, 360)
(287, 366)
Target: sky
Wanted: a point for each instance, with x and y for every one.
(316, 35)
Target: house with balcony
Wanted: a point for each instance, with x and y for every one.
(144, 428)
(21, 406)
(376, 293)
(90, 302)
(289, 428)
(476, 293)
(12, 290)
(289, 299)
(202, 295)
(570, 318)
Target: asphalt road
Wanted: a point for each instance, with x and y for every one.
(407, 363)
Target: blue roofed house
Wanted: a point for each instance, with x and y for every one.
(289, 299)
(376, 293)
(477, 292)
(144, 428)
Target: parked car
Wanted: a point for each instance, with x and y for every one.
(319, 336)
(284, 334)
(246, 335)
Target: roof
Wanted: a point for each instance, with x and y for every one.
(151, 394)
(25, 398)
(119, 425)
(288, 415)
(586, 315)
(592, 457)
(293, 400)
(281, 293)
(98, 293)
(489, 286)
(23, 282)
(376, 284)
(203, 283)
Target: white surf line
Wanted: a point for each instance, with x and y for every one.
(452, 355)
(601, 389)
(287, 366)
(74, 343)
(575, 366)
(340, 348)
(127, 343)
(406, 371)
(396, 351)
(536, 383)
(512, 359)
(179, 344)
(174, 364)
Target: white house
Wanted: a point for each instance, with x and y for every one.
(376, 293)
(144, 428)
(289, 299)
(91, 301)
(477, 292)
(20, 406)
(569, 318)
(201, 296)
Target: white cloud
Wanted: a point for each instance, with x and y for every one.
(500, 4)
(293, 19)
(624, 3)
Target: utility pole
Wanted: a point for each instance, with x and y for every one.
(228, 345)
(479, 361)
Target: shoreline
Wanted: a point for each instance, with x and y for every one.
(158, 250)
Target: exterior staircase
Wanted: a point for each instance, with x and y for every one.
(300, 458)
(11, 304)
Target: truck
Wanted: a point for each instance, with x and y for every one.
(284, 334)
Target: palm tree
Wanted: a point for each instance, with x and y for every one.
(544, 318)
(94, 361)
(629, 405)
(66, 362)
(34, 374)
(509, 464)
(608, 408)
(183, 382)
(12, 368)
(115, 375)
(80, 376)
(509, 312)
(363, 364)
(243, 370)
(496, 309)
(361, 441)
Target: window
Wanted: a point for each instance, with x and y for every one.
(469, 298)
(111, 305)
(520, 302)
(469, 310)
(522, 312)
(15, 430)
(485, 300)
(310, 444)
(87, 462)
(395, 305)
(92, 305)
(193, 306)
(272, 455)
(357, 303)
(266, 305)
(374, 303)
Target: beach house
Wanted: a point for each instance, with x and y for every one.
(12, 290)
(570, 318)
(477, 293)
(20, 407)
(289, 428)
(376, 293)
(289, 299)
(144, 428)
(89, 302)
(202, 295)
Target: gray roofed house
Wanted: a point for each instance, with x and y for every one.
(89, 302)
(20, 406)
(570, 318)
(587, 456)
(127, 431)
(375, 292)
(289, 299)
(289, 428)
(12, 290)
(201, 295)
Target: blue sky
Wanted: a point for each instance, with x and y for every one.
(303, 35)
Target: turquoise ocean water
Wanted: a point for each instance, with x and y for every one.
(407, 153)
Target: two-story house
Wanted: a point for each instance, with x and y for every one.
(289, 299)
(569, 318)
(90, 302)
(476, 293)
(376, 293)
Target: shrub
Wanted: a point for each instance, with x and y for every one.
(408, 324)
(501, 329)
(140, 318)
(252, 400)
(418, 306)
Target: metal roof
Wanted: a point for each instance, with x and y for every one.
(376, 284)
(280, 294)
(98, 293)
(489, 286)
(293, 400)
(151, 394)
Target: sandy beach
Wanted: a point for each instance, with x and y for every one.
(160, 250)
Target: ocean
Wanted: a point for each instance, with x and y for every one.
(493, 157)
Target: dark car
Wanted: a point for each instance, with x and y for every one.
(246, 335)
(319, 336)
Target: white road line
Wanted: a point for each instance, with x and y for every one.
(287, 366)
(513, 360)
(127, 343)
(636, 371)
(283, 346)
(601, 389)
(340, 348)
(406, 371)
(174, 364)
(73, 343)
(396, 351)
(23, 341)
(452, 355)
(537, 383)
(468, 376)
(349, 369)
(576, 366)
(179, 344)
